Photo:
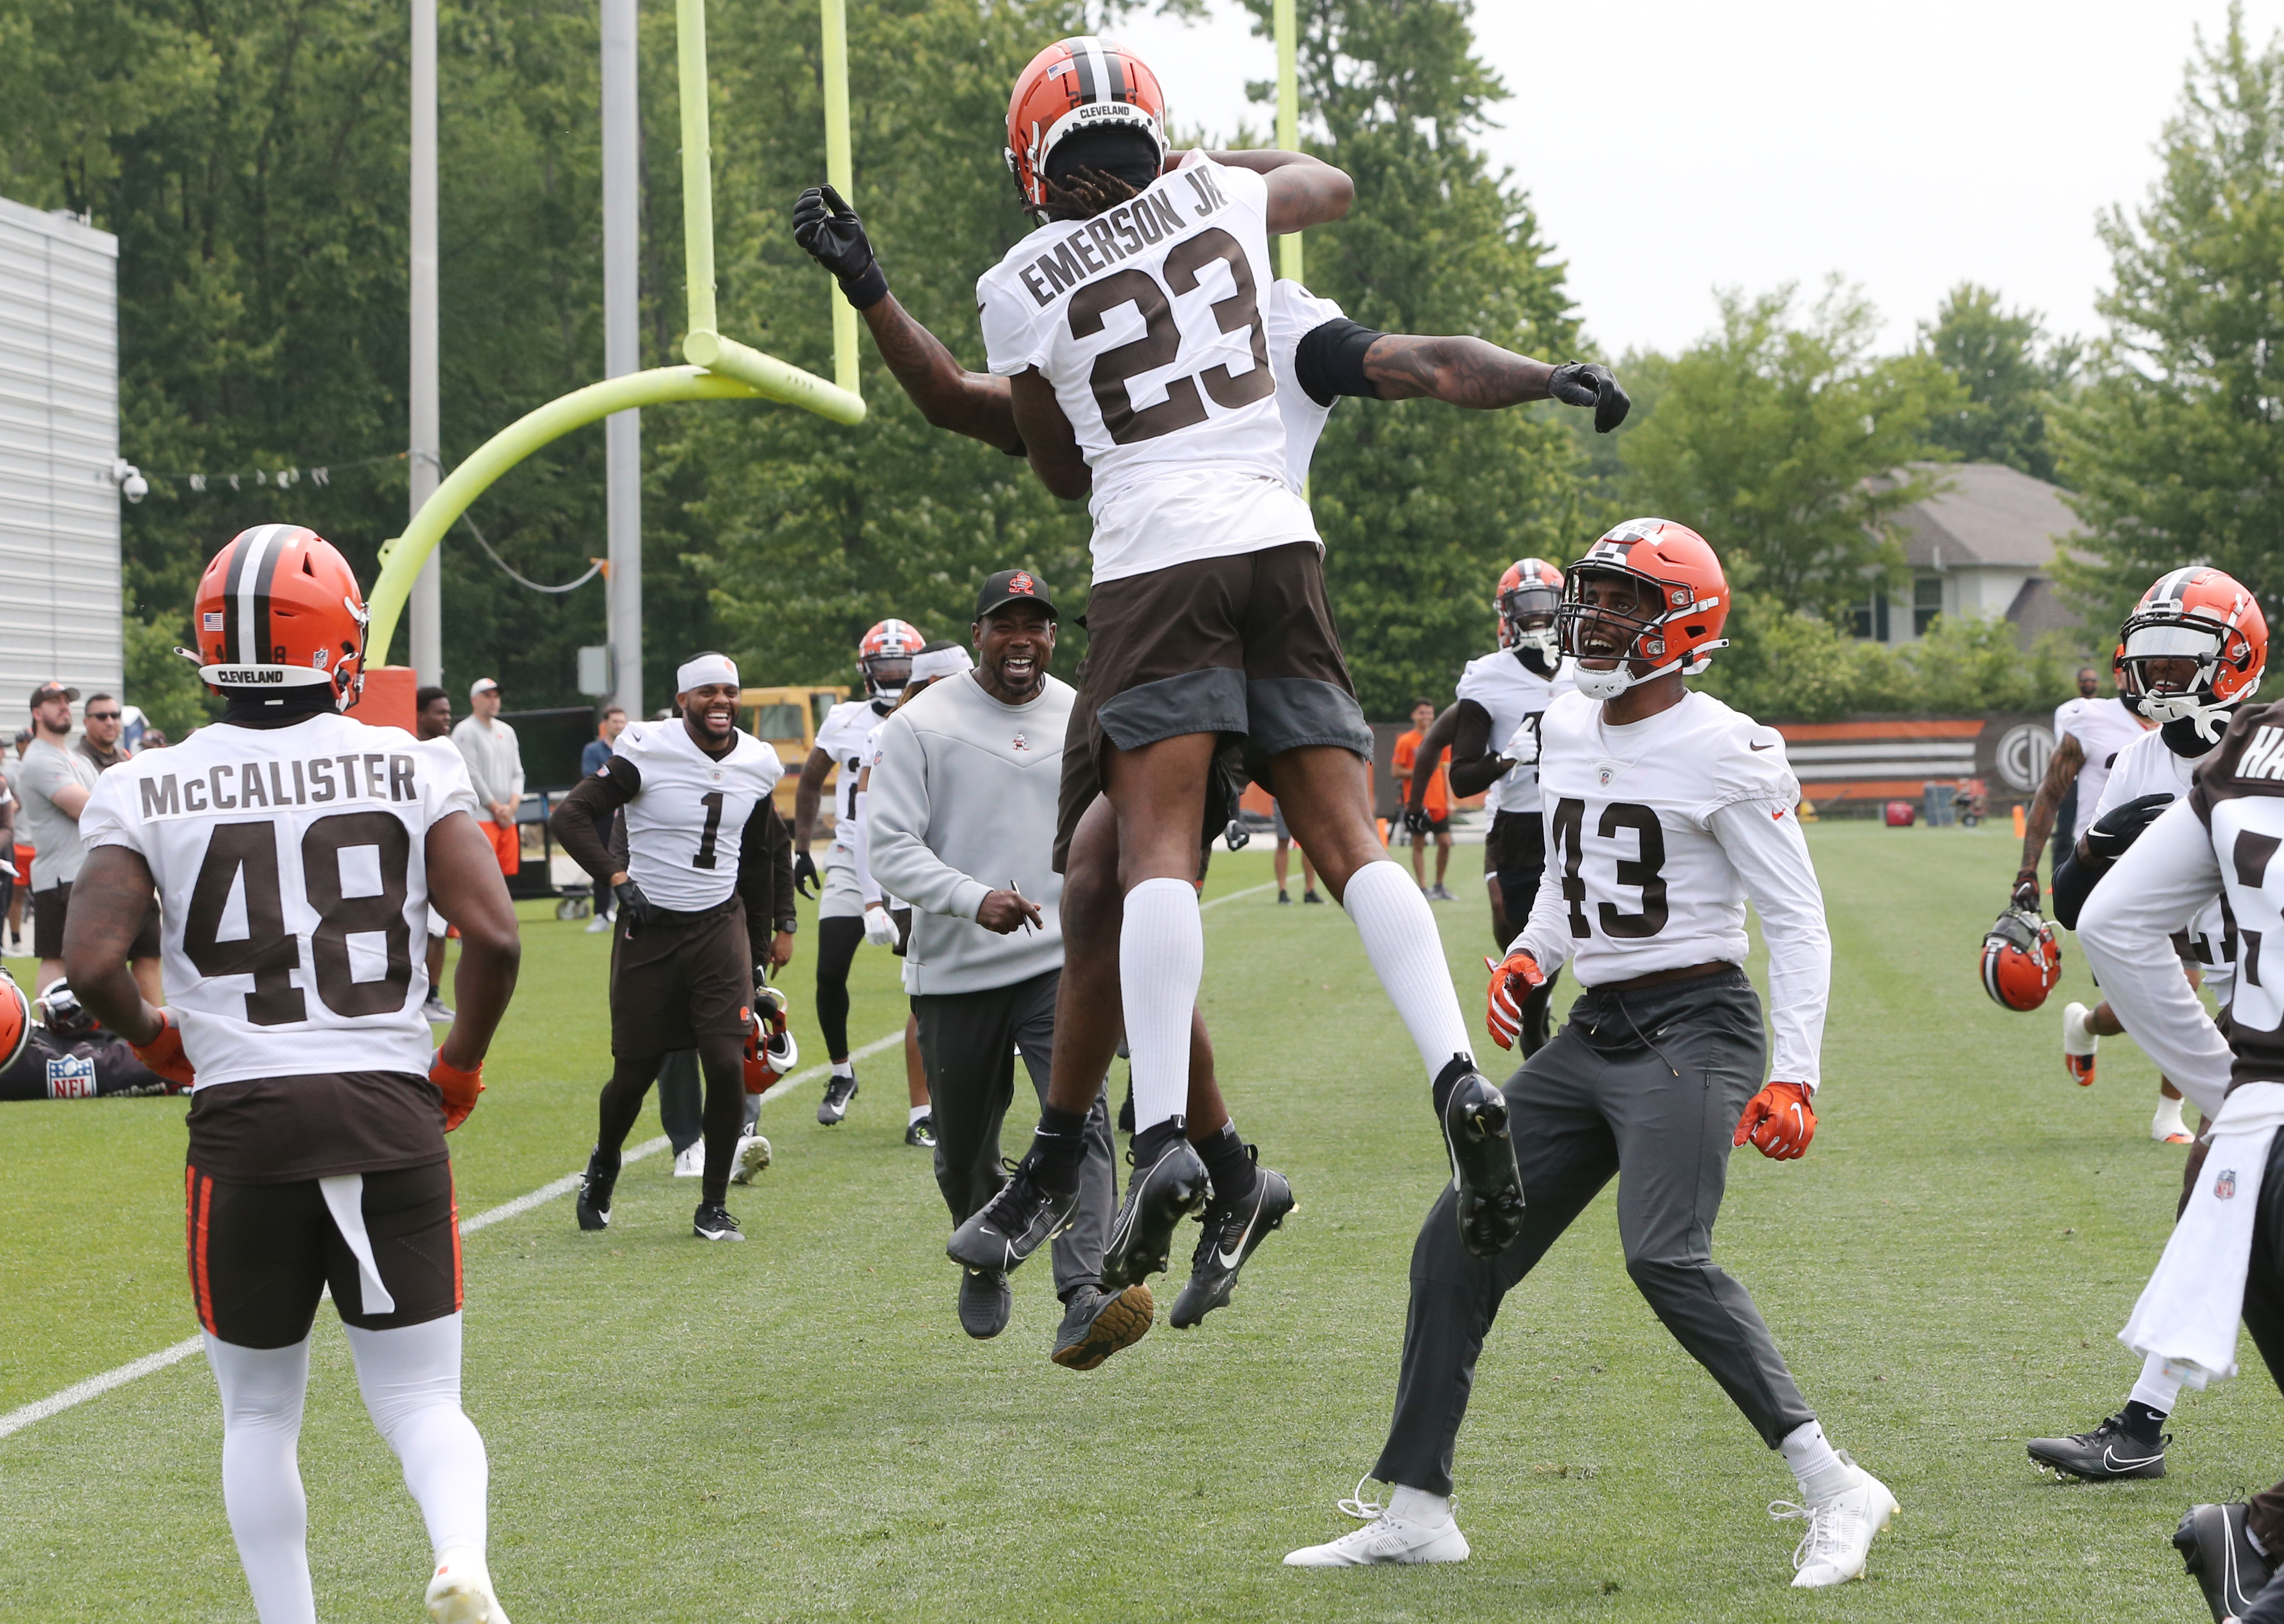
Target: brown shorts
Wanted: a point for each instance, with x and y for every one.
(1242, 645)
(51, 908)
(679, 977)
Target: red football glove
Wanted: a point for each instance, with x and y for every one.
(1511, 980)
(459, 1088)
(163, 1054)
(1779, 1121)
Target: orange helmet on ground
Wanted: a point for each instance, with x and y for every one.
(2196, 614)
(885, 657)
(15, 1020)
(2021, 960)
(1082, 83)
(279, 608)
(1528, 594)
(1679, 633)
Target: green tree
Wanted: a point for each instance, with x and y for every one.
(2007, 371)
(1786, 444)
(2176, 449)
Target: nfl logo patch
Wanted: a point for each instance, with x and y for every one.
(211, 620)
(2224, 1186)
(71, 1077)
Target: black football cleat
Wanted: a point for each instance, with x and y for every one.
(1234, 1230)
(1160, 1197)
(839, 1091)
(1097, 1324)
(1024, 1216)
(2102, 1456)
(595, 1186)
(2222, 1560)
(986, 1302)
(920, 1134)
(712, 1222)
(1486, 1176)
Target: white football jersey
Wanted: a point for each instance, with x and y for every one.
(292, 867)
(847, 737)
(1148, 321)
(1293, 314)
(687, 825)
(2147, 767)
(2103, 728)
(1510, 691)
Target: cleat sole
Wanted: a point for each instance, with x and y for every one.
(1121, 1324)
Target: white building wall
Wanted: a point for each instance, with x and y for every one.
(60, 567)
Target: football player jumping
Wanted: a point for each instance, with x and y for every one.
(687, 952)
(296, 851)
(1314, 355)
(1665, 809)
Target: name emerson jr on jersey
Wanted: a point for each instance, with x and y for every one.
(1110, 238)
(235, 786)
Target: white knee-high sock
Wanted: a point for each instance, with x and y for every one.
(2156, 1388)
(1161, 958)
(1406, 950)
(261, 1393)
(411, 1379)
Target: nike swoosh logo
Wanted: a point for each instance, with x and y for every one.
(1230, 1260)
(1764, 747)
(2110, 1459)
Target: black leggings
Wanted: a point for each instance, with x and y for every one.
(837, 941)
(721, 1058)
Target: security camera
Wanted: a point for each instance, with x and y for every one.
(129, 479)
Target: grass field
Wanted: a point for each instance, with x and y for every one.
(797, 1429)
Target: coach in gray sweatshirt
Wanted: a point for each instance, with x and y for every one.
(961, 825)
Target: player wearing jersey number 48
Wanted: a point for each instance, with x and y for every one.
(1665, 811)
(296, 851)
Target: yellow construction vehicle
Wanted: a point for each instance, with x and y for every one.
(786, 719)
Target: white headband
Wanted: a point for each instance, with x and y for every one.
(942, 663)
(704, 669)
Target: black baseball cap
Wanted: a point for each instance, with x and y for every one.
(1013, 586)
(57, 691)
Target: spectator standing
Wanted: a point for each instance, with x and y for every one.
(1438, 806)
(496, 767)
(432, 718)
(11, 768)
(10, 874)
(98, 740)
(54, 786)
(592, 760)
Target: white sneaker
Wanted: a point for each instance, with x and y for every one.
(462, 1594)
(2166, 1127)
(1840, 1531)
(753, 1156)
(435, 1011)
(1386, 1538)
(690, 1163)
(2079, 1044)
(598, 925)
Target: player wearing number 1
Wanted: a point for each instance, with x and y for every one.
(295, 851)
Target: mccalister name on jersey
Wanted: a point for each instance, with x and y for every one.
(265, 785)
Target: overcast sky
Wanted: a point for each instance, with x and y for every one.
(1672, 147)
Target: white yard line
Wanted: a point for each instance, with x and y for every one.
(95, 1386)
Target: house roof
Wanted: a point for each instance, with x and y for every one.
(1985, 513)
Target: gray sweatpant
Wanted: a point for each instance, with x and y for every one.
(967, 1047)
(1647, 1086)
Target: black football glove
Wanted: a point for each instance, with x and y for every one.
(1415, 820)
(634, 907)
(830, 233)
(1589, 383)
(804, 873)
(2117, 830)
(2027, 893)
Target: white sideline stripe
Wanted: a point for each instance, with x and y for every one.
(95, 1386)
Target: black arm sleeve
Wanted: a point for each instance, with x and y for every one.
(1475, 766)
(1329, 361)
(2074, 882)
(765, 876)
(592, 802)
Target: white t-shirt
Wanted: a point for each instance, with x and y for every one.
(1661, 830)
(2103, 728)
(292, 867)
(847, 737)
(2147, 767)
(1148, 321)
(687, 825)
(1509, 691)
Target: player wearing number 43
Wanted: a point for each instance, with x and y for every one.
(295, 851)
(684, 958)
(1665, 810)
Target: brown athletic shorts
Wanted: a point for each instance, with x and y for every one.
(53, 907)
(678, 977)
(1242, 645)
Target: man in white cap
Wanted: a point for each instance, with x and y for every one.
(696, 795)
(496, 767)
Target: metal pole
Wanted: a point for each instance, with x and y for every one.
(697, 167)
(840, 170)
(622, 334)
(426, 434)
(1288, 122)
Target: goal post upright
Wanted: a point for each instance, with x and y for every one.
(1288, 120)
(840, 170)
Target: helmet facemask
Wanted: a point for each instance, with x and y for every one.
(1632, 635)
(1528, 616)
(2168, 668)
(885, 675)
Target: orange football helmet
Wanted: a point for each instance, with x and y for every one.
(1693, 594)
(885, 657)
(1084, 83)
(2021, 960)
(771, 1052)
(2200, 614)
(15, 1020)
(279, 608)
(1528, 594)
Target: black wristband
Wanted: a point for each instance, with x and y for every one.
(868, 287)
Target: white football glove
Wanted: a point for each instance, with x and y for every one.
(880, 930)
(1522, 746)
